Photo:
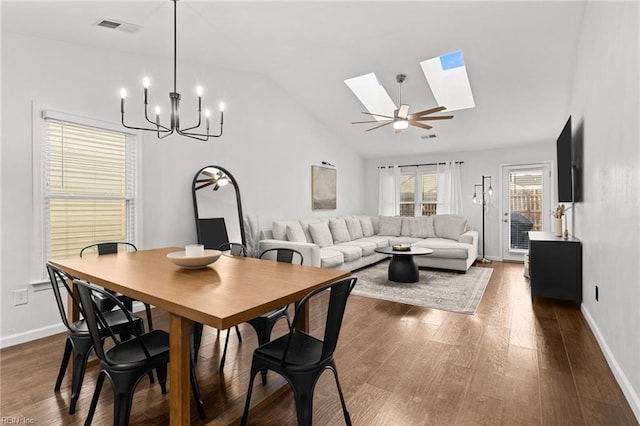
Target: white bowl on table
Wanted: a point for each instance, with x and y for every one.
(194, 262)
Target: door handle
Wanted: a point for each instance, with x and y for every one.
(505, 221)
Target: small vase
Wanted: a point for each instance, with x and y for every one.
(559, 227)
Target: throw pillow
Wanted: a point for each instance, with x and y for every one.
(338, 228)
(375, 221)
(279, 228)
(405, 230)
(296, 234)
(390, 225)
(321, 234)
(367, 226)
(422, 227)
(305, 227)
(449, 226)
(354, 227)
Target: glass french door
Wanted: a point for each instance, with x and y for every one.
(526, 196)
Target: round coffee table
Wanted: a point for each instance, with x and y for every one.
(402, 268)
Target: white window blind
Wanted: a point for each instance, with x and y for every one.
(88, 186)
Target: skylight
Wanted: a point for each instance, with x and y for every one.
(447, 77)
(372, 95)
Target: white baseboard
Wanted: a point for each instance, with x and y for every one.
(27, 336)
(632, 397)
(50, 330)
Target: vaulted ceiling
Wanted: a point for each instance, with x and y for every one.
(519, 56)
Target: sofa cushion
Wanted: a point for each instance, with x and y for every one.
(305, 227)
(375, 221)
(422, 227)
(367, 247)
(354, 227)
(378, 241)
(449, 226)
(320, 234)
(367, 226)
(279, 228)
(445, 248)
(330, 258)
(407, 223)
(390, 225)
(403, 240)
(350, 253)
(296, 234)
(338, 228)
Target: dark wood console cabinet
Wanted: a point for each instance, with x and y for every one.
(555, 267)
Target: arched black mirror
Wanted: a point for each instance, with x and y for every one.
(217, 207)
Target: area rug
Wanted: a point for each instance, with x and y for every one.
(448, 291)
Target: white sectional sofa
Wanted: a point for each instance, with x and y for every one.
(349, 242)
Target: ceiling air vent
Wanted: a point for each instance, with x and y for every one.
(114, 24)
(431, 136)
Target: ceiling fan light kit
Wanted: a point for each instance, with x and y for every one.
(401, 118)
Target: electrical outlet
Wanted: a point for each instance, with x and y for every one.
(20, 297)
(597, 295)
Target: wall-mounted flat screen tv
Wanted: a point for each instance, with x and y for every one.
(565, 164)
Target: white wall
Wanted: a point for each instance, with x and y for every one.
(476, 164)
(269, 145)
(606, 103)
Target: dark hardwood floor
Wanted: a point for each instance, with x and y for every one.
(511, 363)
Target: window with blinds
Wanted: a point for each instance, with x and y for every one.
(418, 193)
(89, 186)
(407, 195)
(429, 193)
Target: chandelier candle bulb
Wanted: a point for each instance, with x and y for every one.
(123, 94)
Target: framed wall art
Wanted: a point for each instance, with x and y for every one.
(323, 188)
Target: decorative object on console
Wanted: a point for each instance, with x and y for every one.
(174, 126)
(323, 188)
(558, 214)
(485, 196)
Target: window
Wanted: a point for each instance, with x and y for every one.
(88, 185)
(418, 193)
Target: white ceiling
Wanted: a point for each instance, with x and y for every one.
(519, 56)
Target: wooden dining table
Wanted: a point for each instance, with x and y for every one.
(226, 293)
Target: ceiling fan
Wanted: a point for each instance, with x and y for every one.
(216, 178)
(402, 119)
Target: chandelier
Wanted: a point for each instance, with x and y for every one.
(161, 130)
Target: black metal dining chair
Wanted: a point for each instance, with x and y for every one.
(112, 247)
(126, 362)
(263, 325)
(78, 339)
(301, 358)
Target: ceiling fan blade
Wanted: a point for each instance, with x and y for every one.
(428, 111)
(435, 117)
(398, 130)
(421, 125)
(403, 111)
(360, 122)
(378, 115)
(384, 124)
(209, 183)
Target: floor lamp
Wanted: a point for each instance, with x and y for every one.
(485, 195)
